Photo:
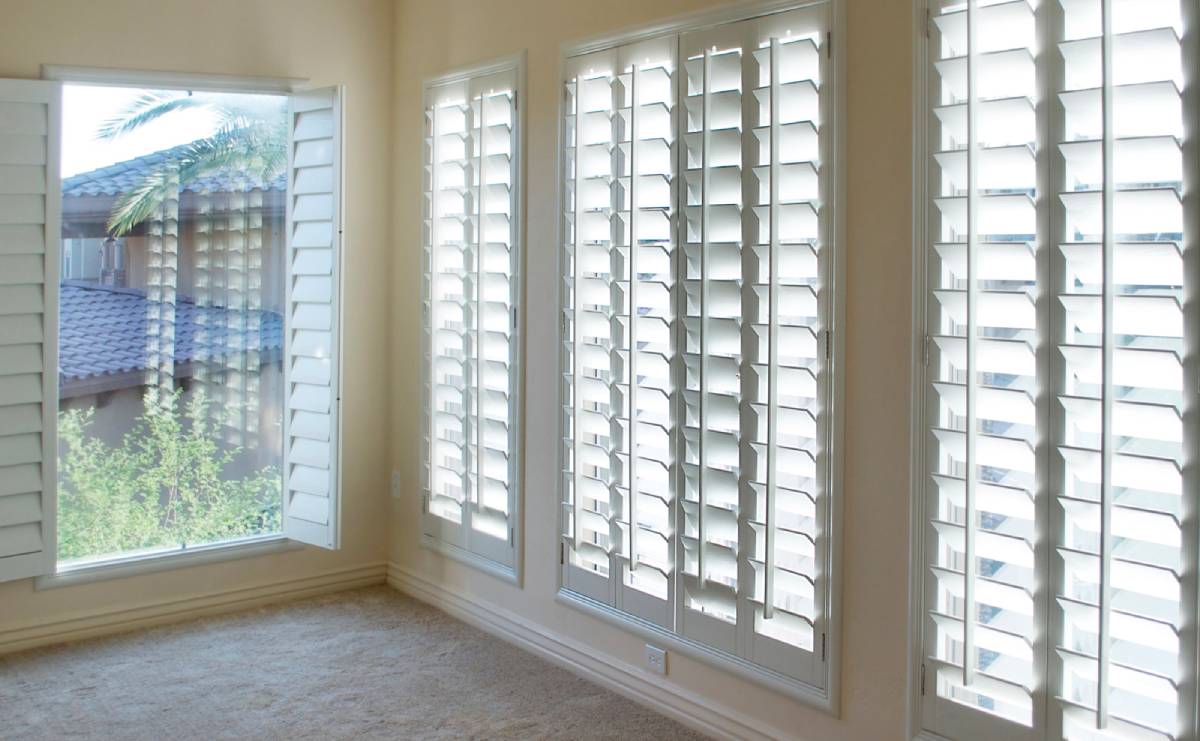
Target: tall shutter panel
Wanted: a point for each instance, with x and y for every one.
(29, 239)
(1119, 435)
(696, 383)
(312, 357)
(983, 365)
(621, 347)
(1061, 532)
(470, 293)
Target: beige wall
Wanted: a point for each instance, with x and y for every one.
(349, 42)
(433, 37)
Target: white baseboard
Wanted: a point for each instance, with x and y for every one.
(693, 710)
(93, 624)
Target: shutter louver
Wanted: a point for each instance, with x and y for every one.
(1057, 512)
(470, 297)
(29, 245)
(311, 491)
(695, 344)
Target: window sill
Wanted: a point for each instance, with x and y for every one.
(119, 568)
(796, 689)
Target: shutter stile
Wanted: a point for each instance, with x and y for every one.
(469, 297)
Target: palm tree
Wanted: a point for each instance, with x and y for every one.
(250, 139)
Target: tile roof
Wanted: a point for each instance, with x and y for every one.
(120, 177)
(102, 331)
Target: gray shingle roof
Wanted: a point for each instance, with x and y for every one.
(120, 177)
(102, 331)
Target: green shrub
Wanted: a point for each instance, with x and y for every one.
(164, 485)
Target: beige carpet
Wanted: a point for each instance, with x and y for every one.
(370, 663)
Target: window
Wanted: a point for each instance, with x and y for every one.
(1059, 427)
(698, 309)
(472, 238)
(184, 279)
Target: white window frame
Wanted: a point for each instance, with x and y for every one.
(921, 380)
(136, 564)
(515, 63)
(826, 696)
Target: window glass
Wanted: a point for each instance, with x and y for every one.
(170, 319)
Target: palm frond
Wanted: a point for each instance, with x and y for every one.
(142, 201)
(146, 108)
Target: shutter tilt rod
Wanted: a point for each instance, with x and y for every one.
(969, 567)
(633, 310)
(480, 246)
(1103, 649)
(772, 343)
(701, 532)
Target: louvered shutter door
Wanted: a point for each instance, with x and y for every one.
(1060, 594)
(983, 367)
(712, 401)
(312, 357)
(472, 254)
(620, 348)
(756, 285)
(29, 239)
(1119, 332)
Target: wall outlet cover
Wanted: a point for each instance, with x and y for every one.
(656, 659)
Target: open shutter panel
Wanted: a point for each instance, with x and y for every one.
(695, 348)
(471, 253)
(313, 345)
(29, 238)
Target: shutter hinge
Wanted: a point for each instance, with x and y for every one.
(829, 44)
(922, 680)
(514, 317)
(516, 100)
(928, 23)
(512, 535)
(928, 342)
(822, 647)
(828, 344)
(562, 553)
(425, 503)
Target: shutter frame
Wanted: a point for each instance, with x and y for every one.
(482, 89)
(584, 580)
(18, 522)
(308, 516)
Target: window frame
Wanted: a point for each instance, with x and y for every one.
(1046, 721)
(516, 64)
(136, 564)
(825, 697)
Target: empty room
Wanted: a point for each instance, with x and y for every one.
(824, 370)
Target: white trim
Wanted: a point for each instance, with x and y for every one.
(93, 623)
(696, 711)
(115, 77)
(503, 572)
(696, 21)
(136, 565)
(916, 473)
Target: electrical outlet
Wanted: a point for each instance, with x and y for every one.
(396, 484)
(656, 659)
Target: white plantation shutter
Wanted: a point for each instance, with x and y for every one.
(312, 419)
(29, 233)
(697, 304)
(472, 255)
(1060, 595)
